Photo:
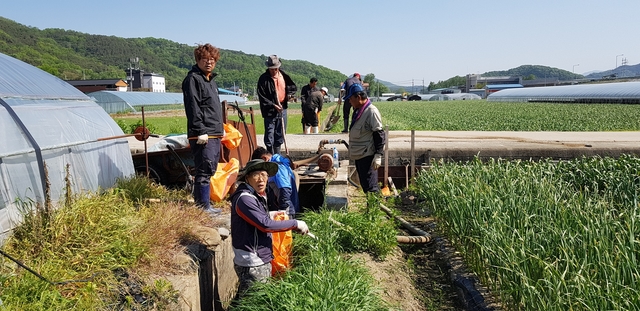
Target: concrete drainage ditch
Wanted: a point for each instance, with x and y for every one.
(208, 280)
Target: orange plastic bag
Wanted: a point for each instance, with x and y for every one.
(232, 137)
(223, 179)
(281, 248)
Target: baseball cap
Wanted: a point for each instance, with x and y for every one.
(355, 88)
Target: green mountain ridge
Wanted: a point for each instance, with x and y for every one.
(72, 55)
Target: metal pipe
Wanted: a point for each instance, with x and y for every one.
(413, 154)
(331, 141)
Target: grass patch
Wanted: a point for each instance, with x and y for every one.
(165, 125)
(480, 115)
(474, 115)
(325, 276)
(99, 252)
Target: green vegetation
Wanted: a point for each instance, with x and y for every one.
(456, 81)
(105, 252)
(72, 55)
(477, 115)
(324, 276)
(177, 124)
(535, 71)
(97, 251)
(543, 235)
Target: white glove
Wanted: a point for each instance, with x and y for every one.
(203, 139)
(302, 227)
(377, 161)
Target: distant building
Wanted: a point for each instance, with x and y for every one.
(134, 77)
(478, 81)
(88, 86)
(492, 88)
(145, 82)
(153, 82)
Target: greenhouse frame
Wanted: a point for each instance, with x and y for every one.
(610, 93)
(50, 132)
(116, 102)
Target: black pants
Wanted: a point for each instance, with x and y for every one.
(367, 175)
(346, 111)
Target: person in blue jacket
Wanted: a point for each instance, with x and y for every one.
(282, 190)
(252, 224)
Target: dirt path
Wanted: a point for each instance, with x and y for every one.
(415, 277)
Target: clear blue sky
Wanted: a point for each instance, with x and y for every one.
(398, 41)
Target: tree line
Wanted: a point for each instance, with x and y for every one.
(72, 55)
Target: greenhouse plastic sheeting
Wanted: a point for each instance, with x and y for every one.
(44, 120)
(114, 101)
(624, 92)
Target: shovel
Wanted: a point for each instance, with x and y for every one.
(335, 114)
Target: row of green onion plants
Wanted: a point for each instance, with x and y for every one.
(544, 235)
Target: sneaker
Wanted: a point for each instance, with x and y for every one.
(212, 211)
(344, 132)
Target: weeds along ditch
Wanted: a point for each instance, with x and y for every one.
(324, 274)
(544, 235)
(94, 250)
(98, 252)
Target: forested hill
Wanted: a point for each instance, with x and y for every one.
(530, 72)
(72, 55)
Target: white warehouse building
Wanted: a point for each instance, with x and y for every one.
(154, 82)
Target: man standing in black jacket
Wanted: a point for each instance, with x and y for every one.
(204, 121)
(275, 88)
(346, 107)
(304, 95)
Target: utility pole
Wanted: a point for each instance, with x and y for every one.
(617, 60)
(132, 61)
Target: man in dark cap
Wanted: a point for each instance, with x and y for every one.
(252, 225)
(275, 88)
(366, 138)
(346, 108)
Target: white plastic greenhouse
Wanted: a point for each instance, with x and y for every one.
(46, 121)
(114, 101)
(619, 93)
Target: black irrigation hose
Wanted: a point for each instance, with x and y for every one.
(420, 235)
(19, 263)
(189, 183)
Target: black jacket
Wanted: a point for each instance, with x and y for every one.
(202, 104)
(267, 93)
(306, 91)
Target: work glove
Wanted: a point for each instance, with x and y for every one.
(203, 139)
(302, 227)
(377, 161)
